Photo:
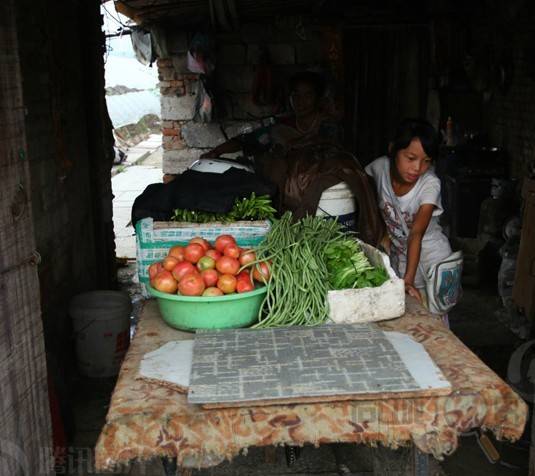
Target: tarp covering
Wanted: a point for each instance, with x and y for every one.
(146, 420)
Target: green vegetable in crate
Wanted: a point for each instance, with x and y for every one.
(299, 278)
(252, 208)
(348, 266)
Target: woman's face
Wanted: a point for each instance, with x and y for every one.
(304, 99)
(412, 162)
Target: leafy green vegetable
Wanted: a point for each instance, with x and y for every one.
(252, 208)
(348, 266)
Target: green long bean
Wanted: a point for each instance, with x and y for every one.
(299, 282)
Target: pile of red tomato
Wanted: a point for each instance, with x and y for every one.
(199, 269)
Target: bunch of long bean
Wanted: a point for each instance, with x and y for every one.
(247, 208)
(299, 280)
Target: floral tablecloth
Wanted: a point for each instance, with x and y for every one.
(146, 420)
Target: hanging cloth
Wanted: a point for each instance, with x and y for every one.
(142, 45)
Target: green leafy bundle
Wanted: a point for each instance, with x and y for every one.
(348, 266)
(252, 208)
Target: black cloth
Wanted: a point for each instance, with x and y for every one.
(199, 191)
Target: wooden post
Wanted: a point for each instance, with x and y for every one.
(25, 414)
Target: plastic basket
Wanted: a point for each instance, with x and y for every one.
(190, 313)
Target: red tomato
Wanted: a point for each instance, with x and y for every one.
(261, 272)
(182, 269)
(211, 292)
(200, 241)
(243, 286)
(193, 252)
(191, 284)
(210, 277)
(247, 257)
(227, 283)
(227, 265)
(169, 262)
(222, 241)
(214, 254)
(232, 250)
(154, 269)
(164, 282)
(244, 276)
(177, 251)
(206, 263)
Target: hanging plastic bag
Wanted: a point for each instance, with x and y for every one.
(200, 61)
(201, 54)
(204, 105)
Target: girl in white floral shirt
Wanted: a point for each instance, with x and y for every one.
(407, 184)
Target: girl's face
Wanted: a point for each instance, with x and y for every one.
(412, 162)
(304, 99)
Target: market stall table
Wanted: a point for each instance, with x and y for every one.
(147, 420)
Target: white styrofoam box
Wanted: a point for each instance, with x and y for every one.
(369, 304)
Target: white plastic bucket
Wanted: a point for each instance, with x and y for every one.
(338, 202)
(101, 321)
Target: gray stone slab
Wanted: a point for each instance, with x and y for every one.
(199, 135)
(243, 365)
(177, 108)
(235, 128)
(176, 161)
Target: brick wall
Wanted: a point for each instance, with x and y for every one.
(290, 49)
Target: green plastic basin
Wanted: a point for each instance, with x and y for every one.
(189, 313)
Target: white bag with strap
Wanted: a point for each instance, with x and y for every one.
(443, 283)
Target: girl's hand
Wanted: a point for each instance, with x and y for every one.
(412, 291)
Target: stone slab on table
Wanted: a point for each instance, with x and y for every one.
(297, 364)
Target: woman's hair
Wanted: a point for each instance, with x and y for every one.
(315, 80)
(410, 129)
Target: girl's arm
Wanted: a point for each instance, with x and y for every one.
(414, 246)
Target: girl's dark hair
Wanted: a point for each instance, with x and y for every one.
(315, 80)
(410, 129)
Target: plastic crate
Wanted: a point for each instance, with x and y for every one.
(153, 239)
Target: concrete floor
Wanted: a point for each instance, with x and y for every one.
(126, 186)
(473, 321)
